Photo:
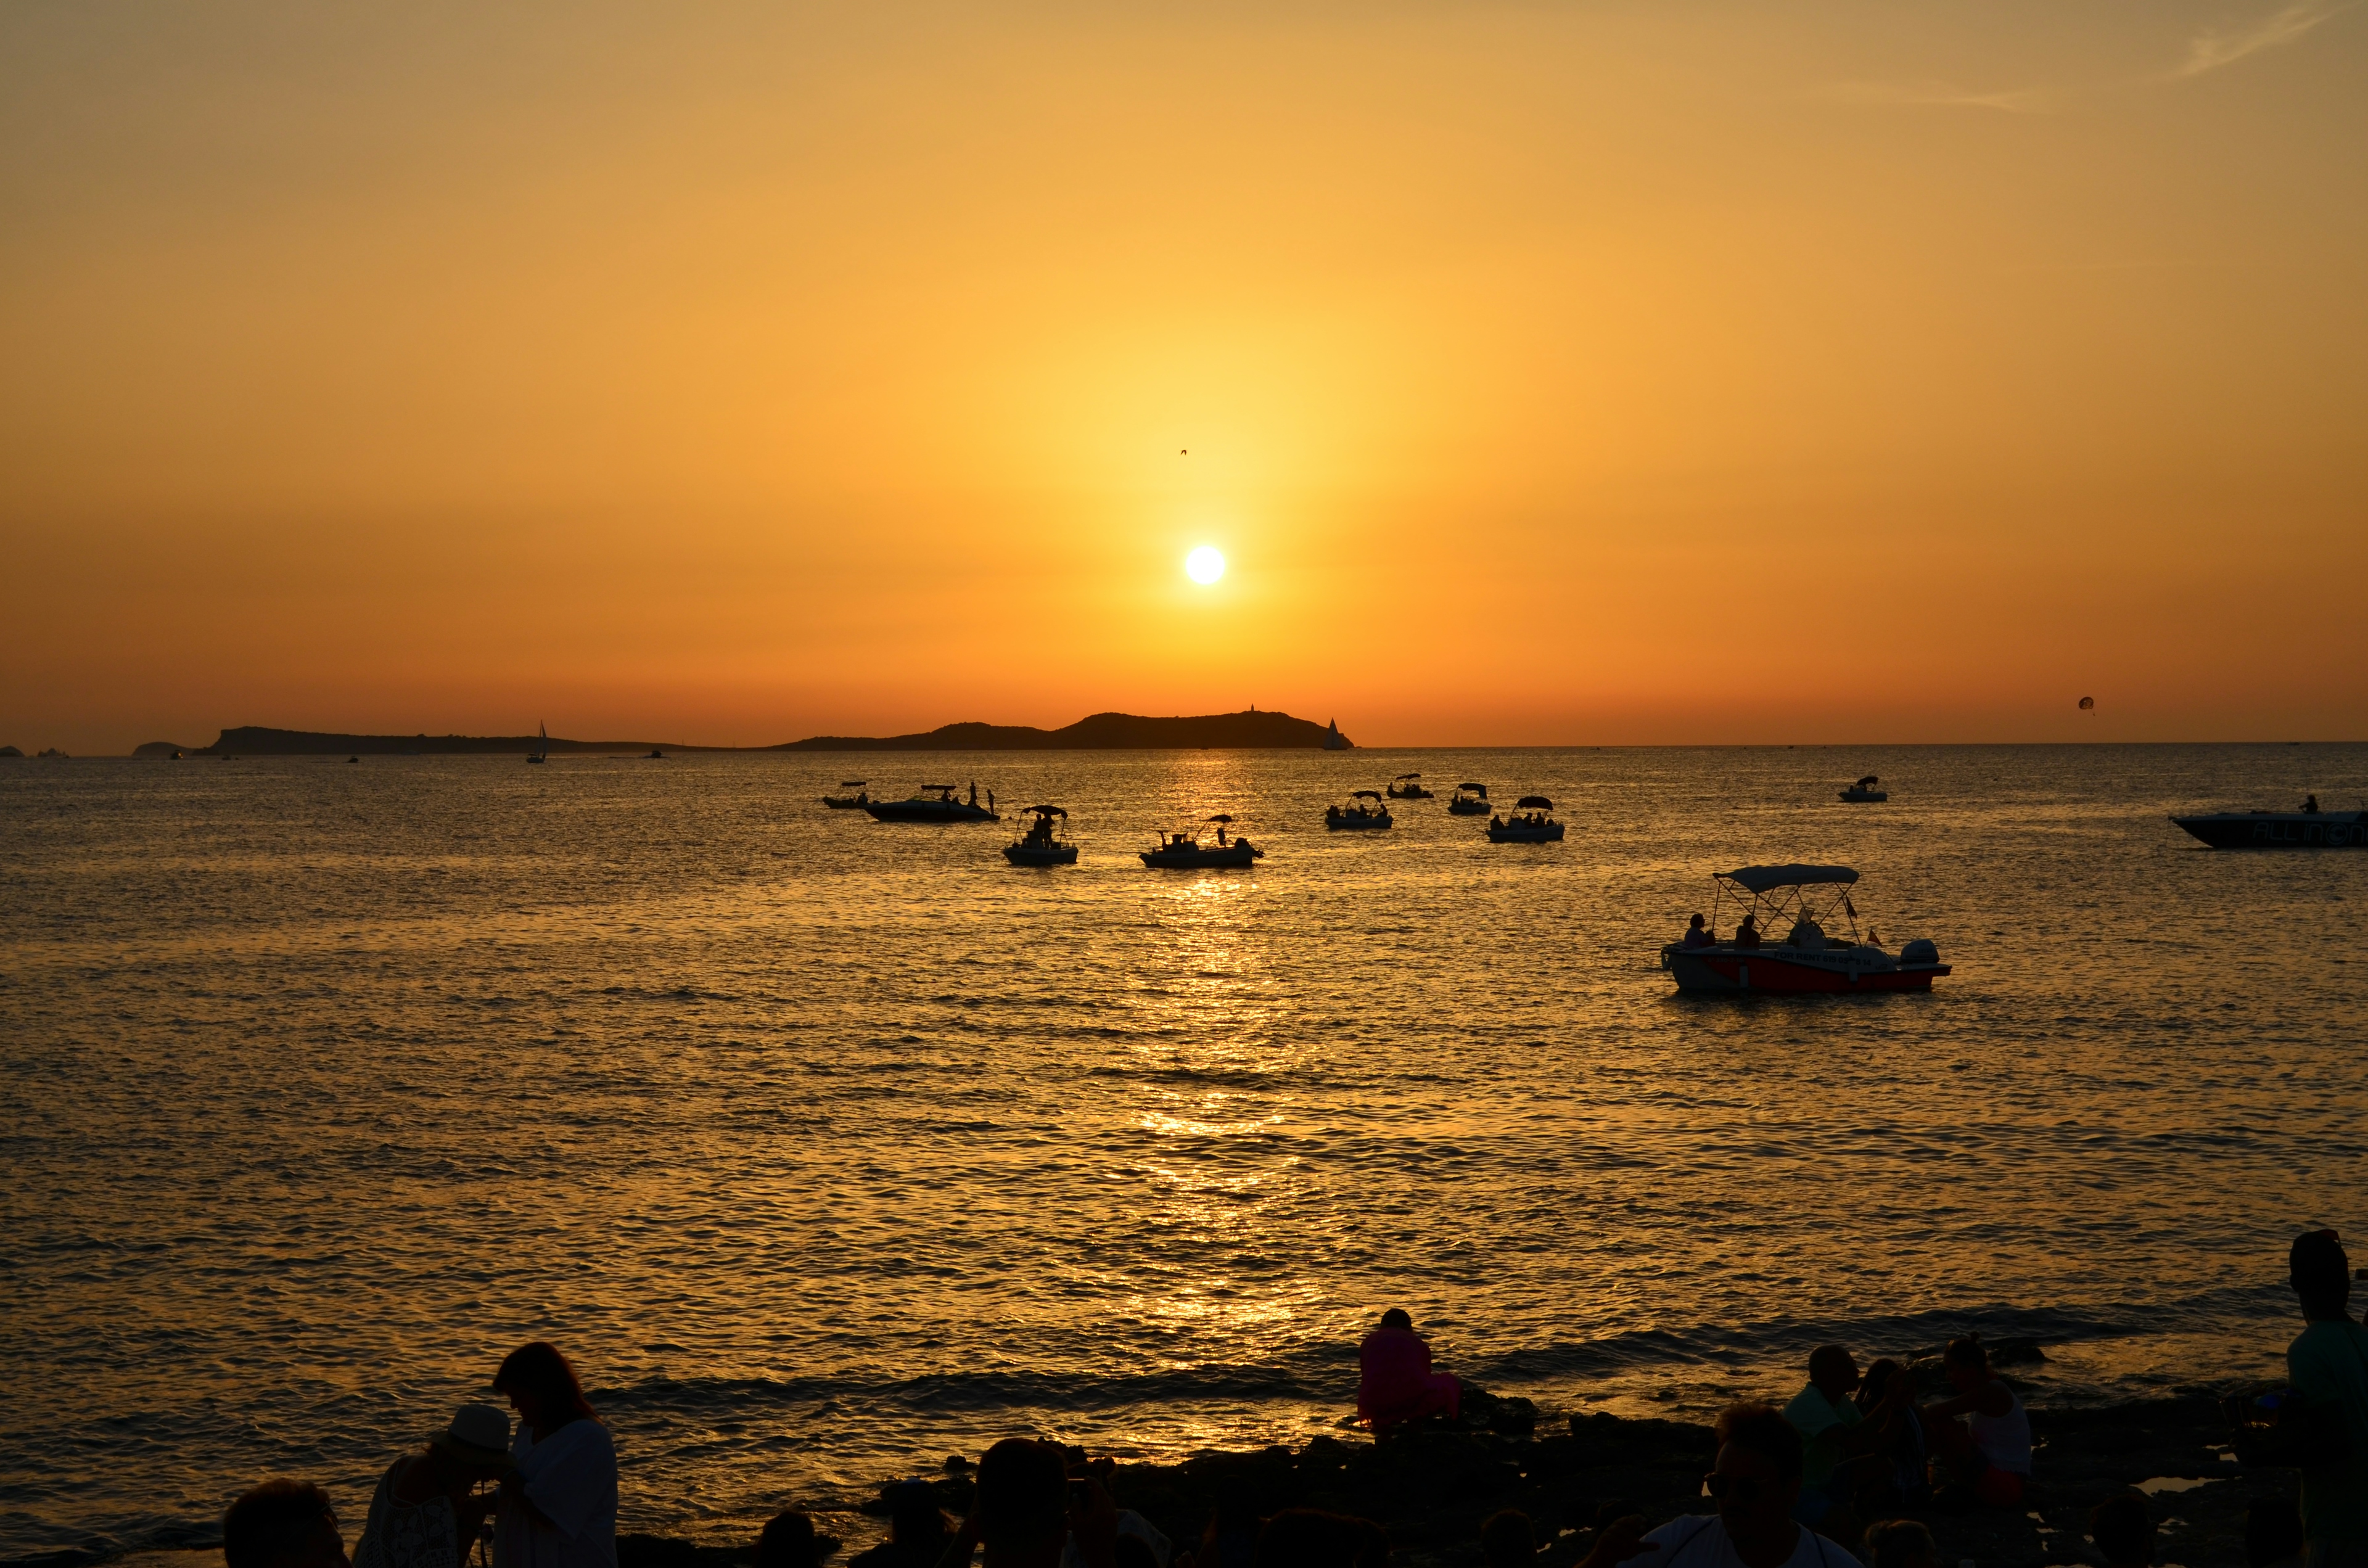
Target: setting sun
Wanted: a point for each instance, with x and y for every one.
(1205, 565)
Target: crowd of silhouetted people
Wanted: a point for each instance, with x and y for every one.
(1831, 1479)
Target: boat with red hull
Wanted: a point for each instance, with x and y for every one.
(1807, 959)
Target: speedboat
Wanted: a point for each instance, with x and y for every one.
(1531, 823)
(1363, 810)
(856, 802)
(1183, 851)
(1803, 901)
(1865, 791)
(2308, 828)
(1409, 787)
(1469, 801)
(1044, 844)
(935, 802)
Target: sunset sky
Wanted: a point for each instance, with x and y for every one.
(1547, 372)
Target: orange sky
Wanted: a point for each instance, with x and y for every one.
(1550, 372)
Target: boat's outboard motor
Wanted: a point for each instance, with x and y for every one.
(1920, 950)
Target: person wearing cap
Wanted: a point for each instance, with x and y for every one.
(559, 1506)
(427, 1511)
(2327, 1365)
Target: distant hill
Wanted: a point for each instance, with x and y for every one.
(254, 740)
(1101, 732)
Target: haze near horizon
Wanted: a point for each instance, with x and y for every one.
(1543, 374)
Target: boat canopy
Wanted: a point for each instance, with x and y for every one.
(1365, 795)
(1220, 817)
(1475, 789)
(1404, 777)
(1534, 803)
(1869, 781)
(1048, 811)
(1759, 879)
(940, 786)
(851, 783)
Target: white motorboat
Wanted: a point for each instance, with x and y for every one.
(935, 802)
(1865, 791)
(1044, 844)
(1469, 801)
(1807, 900)
(1182, 850)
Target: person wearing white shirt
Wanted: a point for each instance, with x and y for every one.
(1757, 1483)
(559, 1507)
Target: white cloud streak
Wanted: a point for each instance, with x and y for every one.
(2210, 51)
(1939, 94)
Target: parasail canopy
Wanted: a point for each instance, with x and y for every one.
(1759, 879)
(2087, 704)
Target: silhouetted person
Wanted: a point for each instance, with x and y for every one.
(1747, 934)
(1696, 935)
(2310, 804)
(917, 1529)
(2327, 1365)
(1310, 1538)
(789, 1541)
(1394, 1381)
(2123, 1531)
(1902, 1449)
(1838, 1439)
(282, 1524)
(1757, 1483)
(559, 1506)
(427, 1511)
(2274, 1536)
(1900, 1543)
(1507, 1541)
(1989, 1451)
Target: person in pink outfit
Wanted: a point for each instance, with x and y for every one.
(1395, 1382)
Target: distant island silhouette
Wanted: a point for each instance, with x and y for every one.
(1253, 729)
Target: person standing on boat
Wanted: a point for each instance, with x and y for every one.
(559, 1506)
(2327, 1365)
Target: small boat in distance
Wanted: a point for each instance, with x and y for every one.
(2308, 828)
(1531, 823)
(1409, 787)
(1865, 791)
(1803, 900)
(1357, 814)
(654, 755)
(1044, 844)
(935, 802)
(1183, 851)
(1469, 801)
(541, 750)
(856, 802)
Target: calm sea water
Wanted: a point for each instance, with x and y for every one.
(829, 1148)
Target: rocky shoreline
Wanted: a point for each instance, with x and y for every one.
(1432, 1487)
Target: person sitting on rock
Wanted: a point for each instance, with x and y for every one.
(917, 1529)
(283, 1524)
(1900, 1543)
(2327, 1365)
(1024, 1515)
(2123, 1531)
(1907, 1484)
(788, 1541)
(1839, 1441)
(1395, 1383)
(1989, 1451)
(1757, 1481)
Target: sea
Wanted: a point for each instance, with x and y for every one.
(829, 1148)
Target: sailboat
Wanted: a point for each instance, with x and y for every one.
(542, 743)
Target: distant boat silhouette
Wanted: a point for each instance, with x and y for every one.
(1334, 740)
(542, 743)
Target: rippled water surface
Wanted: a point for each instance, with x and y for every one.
(830, 1147)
